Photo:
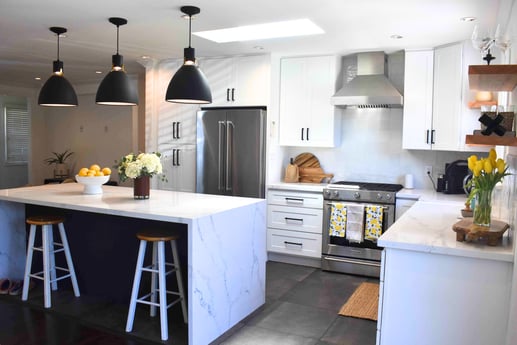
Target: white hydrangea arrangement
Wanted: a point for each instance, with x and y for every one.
(134, 166)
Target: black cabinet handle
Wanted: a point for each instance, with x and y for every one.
(173, 157)
(287, 219)
(228, 95)
(178, 157)
(427, 137)
(432, 136)
(233, 94)
(307, 133)
(294, 243)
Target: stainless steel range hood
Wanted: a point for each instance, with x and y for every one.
(370, 88)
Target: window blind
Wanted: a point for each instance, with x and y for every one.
(17, 134)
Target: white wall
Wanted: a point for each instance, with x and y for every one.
(96, 133)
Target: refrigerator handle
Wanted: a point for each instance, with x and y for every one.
(220, 172)
(229, 155)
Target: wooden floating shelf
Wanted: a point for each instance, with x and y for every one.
(492, 77)
(478, 105)
(490, 140)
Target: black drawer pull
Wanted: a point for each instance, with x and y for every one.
(293, 243)
(295, 200)
(293, 219)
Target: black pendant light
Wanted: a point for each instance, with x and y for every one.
(116, 88)
(189, 84)
(57, 91)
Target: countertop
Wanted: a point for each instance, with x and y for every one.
(162, 205)
(427, 227)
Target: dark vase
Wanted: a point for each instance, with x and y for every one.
(141, 187)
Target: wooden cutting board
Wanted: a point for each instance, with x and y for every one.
(307, 160)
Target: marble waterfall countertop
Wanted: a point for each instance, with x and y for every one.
(226, 244)
(162, 205)
(427, 227)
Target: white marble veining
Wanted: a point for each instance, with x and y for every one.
(427, 227)
(226, 243)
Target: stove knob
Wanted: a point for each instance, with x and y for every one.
(335, 194)
(379, 196)
(357, 195)
(388, 196)
(326, 193)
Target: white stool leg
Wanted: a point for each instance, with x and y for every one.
(163, 290)
(179, 280)
(154, 279)
(69, 261)
(46, 264)
(28, 263)
(136, 286)
(52, 257)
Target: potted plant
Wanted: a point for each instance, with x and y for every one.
(59, 160)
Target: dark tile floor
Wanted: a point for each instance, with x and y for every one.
(301, 308)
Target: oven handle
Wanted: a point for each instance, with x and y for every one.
(353, 261)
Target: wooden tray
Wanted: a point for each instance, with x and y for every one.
(467, 231)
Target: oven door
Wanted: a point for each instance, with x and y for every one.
(338, 251)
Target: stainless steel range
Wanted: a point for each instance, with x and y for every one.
(352, 255)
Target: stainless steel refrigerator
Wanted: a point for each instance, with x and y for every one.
(231, 151)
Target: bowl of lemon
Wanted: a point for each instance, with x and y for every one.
(93, 178)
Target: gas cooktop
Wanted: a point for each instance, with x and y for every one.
(371, 186)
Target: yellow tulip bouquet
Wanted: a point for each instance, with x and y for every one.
(487, 172)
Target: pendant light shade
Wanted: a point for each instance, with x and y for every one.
(189, 84)
(57, 91)
(116, 88)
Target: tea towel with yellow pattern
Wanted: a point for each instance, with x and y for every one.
(337, 225)
(374, 219)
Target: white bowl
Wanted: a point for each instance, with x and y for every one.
(93, 184)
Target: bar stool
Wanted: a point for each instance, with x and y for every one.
(157, 269)
(48, 275)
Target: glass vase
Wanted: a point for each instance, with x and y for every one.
(483, 207)
(141, 187)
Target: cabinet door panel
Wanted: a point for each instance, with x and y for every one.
(418, 99)
(251, 80)
(179, 166)
(219, 75)
(447, 97)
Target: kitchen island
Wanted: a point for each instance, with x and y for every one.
(435, 290)
(226, 243)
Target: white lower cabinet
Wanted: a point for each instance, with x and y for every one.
(294, 223)
(179, 163)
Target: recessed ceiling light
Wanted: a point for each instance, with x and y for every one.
(396, 37)
(145, 57)
(468, 19)
(290, 28)
(258, 47)
(37, 78)
(98, 72)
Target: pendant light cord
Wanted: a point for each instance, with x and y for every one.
(189, 29)
(117, 39)
(58, 46)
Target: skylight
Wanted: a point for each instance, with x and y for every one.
(290, 28)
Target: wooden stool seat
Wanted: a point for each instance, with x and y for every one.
(156, 235)
(48, 250)
(158, 274)
(45, 220)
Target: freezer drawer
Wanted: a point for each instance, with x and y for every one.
(295, 218)
(299, 199)
(294, 243)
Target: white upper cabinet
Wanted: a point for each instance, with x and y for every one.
(306, 116)
(418, 99)
(436, 112)
(238, 81)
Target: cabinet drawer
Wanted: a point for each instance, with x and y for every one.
(295, 218)
(300, 199)
(295, 243)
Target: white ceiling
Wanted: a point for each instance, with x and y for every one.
(155, 28)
